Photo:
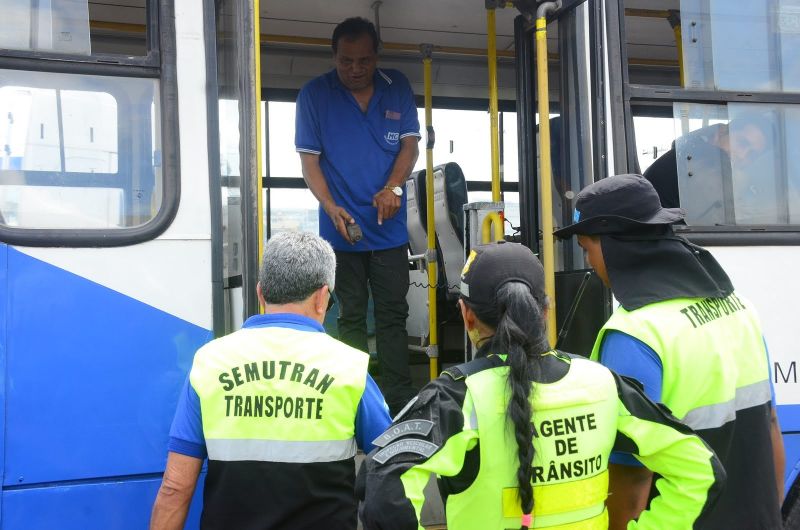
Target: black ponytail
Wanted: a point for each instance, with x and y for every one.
(520, 333)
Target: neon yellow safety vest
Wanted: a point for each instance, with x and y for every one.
(277, 394)
(716, 380)
(712, 352)
(576, 422)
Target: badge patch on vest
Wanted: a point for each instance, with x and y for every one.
(392, 138)
(420, 427)
(420, 447)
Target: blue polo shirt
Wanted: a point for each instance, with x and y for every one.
(357, 150)
(186, 434)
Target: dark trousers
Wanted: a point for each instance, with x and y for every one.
(385, 272)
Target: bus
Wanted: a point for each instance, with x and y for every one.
(146, 155)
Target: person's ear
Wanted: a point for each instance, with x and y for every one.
(260, 295)
(468, 315)
(321, 296)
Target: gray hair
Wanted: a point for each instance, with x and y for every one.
(295, 265)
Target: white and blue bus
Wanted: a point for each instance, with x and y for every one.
(146, 154)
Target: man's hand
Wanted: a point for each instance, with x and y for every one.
(387, 203)
(340, 219)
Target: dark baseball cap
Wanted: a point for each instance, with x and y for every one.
(490, 266)
(618, 205)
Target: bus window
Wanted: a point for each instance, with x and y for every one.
(293, 210)
(764, 56)
(61, 26)
(731, 164)
(63, 164)
(654, 137)
(462, 136)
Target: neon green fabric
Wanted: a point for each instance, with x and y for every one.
(279, 394)
(716, 338)
(577, 421)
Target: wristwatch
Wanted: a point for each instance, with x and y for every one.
(397, 190)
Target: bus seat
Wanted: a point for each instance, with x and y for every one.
(450, 195)
(417, 235)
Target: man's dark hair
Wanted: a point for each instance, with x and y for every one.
(353, 28)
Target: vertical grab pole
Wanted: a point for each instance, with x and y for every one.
(674, 19)
(491, 33)
(546, 170)
(259, 161)
(431, 260)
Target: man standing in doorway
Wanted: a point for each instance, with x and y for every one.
(357, 133)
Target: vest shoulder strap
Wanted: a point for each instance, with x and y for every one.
(465, 370)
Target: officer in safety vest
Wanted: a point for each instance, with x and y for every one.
(693, 342)
(278, 408)
(520, 436)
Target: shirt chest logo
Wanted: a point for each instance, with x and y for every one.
(392, 138)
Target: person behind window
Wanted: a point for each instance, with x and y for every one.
(693, 342)
(278, 407)
(357, 132)
(520, 436)
(697, 173)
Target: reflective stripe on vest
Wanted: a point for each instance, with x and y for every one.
(576, 501)
(713, 416)
(576, 424)
(295, 452)
(276, 394)
(712, 352)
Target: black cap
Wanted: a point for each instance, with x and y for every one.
(618, 205)
(490, 266)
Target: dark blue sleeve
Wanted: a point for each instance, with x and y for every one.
(408, 110)
(633, 358)
(307, 138)
(372, 416)
(186, 434)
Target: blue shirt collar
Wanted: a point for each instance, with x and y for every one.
(284, 320)
(380, 80)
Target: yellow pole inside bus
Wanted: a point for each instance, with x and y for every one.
(674, 18)
(546, 173)
(491, 32)
(257, 99)
(433, 351)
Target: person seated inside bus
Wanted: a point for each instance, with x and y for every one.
(710, 172)
(521, 436)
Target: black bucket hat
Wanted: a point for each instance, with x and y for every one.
(618, 205)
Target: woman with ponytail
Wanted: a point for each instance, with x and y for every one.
(520, 436)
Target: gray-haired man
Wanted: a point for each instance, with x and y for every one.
(278, 407)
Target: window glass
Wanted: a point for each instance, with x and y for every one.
(63, 162)
(763, 56)
(56, 26)
(293, 210)
(462, 136)
(734, 164)
(229, 137)
(283, 159)
(510, 168)
(654, 137)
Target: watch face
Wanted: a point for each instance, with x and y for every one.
(397, 190)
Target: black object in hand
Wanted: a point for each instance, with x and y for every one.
(354, 232)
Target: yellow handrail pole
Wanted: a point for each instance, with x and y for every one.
(491, 32)
(433, 350)
(546, 171)
(492, 220)
(257, 99)
(675, 21)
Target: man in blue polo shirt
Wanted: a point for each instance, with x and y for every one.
(357, 133)
(278, 409)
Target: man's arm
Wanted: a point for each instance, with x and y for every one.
(778, 453)
(385, 201)
(629, 490)
(315, 179)
(175, 494)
